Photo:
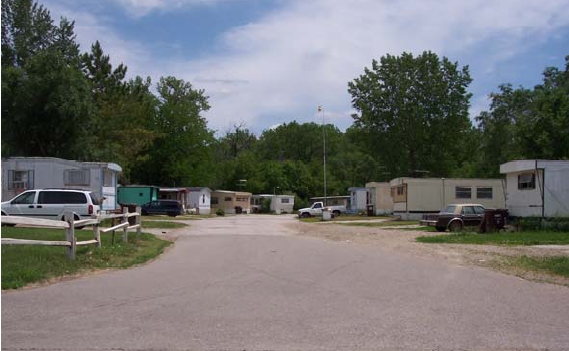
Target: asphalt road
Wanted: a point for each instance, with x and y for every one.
(251, 283)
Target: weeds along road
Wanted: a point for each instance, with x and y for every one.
(255, 282)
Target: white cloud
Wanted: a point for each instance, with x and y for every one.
(140, 8)
(304, 53)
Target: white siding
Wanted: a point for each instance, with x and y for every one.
(200, 200)
(552, 177)
(282, 204)
(50, 172)
(358, 199)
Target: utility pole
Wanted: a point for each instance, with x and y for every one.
(321, 109)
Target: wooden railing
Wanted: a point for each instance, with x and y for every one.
(69, 224)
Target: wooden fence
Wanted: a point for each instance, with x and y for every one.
(69, 224)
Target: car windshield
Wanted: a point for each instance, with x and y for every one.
(449, 209)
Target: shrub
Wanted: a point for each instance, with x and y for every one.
(266, 206)
(220, 212)
(556, 224)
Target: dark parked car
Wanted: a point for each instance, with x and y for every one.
(455, 217)
(171, 208)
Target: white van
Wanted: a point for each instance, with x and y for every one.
(52, 204)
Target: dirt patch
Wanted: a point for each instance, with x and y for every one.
(499, 258)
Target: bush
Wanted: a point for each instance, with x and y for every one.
(220, 212)
(266, 206)
(300, 203)
(557, 224)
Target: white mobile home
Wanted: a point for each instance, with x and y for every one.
(23, 173)
(413, 197)
(279, 203)
(537, 188)
(282, 204)
(359, 198)
(380, 198)
(200, 200)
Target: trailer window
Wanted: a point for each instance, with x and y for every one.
(526, 181)
(463, 192)
(76, 177)
(20, 180)
(483, 192)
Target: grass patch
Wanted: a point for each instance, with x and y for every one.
(162, 224)
(558, 265)
(382, 224)
(344, 217)
(184, 217)
(311, 219)
(25, 264)
(510, 238)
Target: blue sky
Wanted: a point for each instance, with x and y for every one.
(267, 62)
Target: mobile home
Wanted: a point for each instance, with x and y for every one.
(537, 188)
(24, 173)
(359, 198)
(279, 203)
(413, 197)
(380, 198)
(200, 200)
(282, 204)
(137, 194)
(180, 194)
(231, 201)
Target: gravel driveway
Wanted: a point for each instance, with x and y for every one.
(403, 241)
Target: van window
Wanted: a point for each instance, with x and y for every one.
(61, 197)
(25, 198)
(95, 200)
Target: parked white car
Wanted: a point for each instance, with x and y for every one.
(52, 204)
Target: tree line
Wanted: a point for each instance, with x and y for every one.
(412, 119)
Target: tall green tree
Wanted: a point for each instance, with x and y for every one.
(181, 154)
(123, 114)
(526, 123)
(413, 113)
(46, 100)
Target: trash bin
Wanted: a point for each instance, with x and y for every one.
(501, 218)
(326, 214)
(238, 210)
(370, 211)
(488, 223)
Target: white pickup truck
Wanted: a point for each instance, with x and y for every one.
(316, 210)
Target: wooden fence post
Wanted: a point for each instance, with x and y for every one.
(125, 229)
(97, 230)
(70, 235)
(138, 220)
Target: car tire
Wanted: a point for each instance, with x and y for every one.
(336, 214)
(305, 215)
(144, 213)
(455, 226)
(172, 214)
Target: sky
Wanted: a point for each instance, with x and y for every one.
(263, 63)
